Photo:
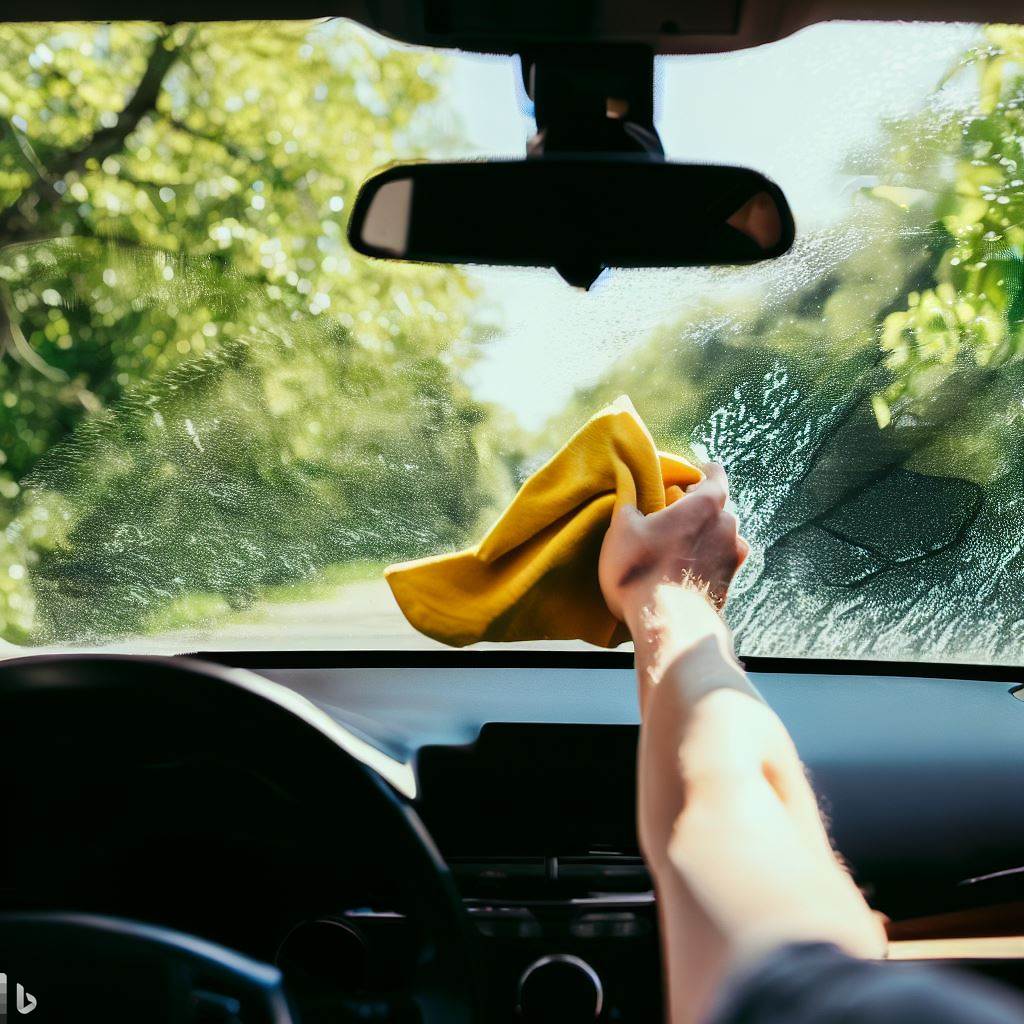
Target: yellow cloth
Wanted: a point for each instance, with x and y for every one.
(534, 575)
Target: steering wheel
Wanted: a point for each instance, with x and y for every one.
(210, 801)
(79, 967)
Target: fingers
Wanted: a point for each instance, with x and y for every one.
(706, 498)
(714, 473)
(726, 519)
(627, 521)
(727, 532)
(744, 547)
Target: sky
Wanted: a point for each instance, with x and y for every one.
(795, 110)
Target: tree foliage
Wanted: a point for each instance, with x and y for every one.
(201, 390)
(974, 303)
(202, 393)
(866, 396)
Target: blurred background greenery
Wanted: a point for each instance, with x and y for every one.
(187, 417)
(204, 398)
(870, 419)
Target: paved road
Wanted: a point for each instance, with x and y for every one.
(359, 616)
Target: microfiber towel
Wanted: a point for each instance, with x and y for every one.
(534, 575)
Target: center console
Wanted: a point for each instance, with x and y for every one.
(538, 825)
(525, 772)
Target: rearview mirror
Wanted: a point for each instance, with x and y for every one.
(576, 214)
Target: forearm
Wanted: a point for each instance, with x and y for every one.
(728, 822)
(706, 722)
(683, 653)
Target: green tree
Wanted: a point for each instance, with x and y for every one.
(866, 398)
(974, 305)
(202, 390)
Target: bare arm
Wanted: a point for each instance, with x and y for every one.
(727, 821)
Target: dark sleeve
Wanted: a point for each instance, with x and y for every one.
(816, 983)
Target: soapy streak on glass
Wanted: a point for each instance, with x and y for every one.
(290, 418)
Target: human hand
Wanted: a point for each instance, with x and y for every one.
(695, 539)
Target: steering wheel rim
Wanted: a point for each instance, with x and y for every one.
(160, 974)
(210, 694)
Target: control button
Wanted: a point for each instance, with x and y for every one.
(499, 922)
(610, 925)
(560, 988)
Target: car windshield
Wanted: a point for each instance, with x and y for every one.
(218, 423)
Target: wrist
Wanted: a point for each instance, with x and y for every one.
(674, 621)
(651, 606)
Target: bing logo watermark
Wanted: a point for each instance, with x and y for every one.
(24, 1002)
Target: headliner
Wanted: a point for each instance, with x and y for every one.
(512, 26)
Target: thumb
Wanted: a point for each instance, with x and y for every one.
(628, 514)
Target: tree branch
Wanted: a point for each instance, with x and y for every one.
(229, 147)
(20, 220)
(28, 154)
(13, 340)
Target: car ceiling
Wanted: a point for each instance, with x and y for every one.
(512, 26)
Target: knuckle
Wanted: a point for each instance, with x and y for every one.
(703, 504)
(728, 522)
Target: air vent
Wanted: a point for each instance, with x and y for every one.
(602, 873)
(500, 876)
(550, 877)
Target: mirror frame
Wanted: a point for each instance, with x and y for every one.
(396, 171)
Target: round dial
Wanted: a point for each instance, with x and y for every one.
(560, 987)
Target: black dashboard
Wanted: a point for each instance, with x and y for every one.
(919, 776)
(524, 777)
(161, 791)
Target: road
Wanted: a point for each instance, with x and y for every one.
(357, 617)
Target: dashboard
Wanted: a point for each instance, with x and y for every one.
(204, 800)
(524, 774)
